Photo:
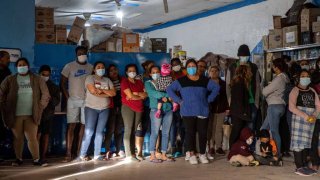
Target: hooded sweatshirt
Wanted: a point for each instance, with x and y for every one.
(241, 147)
(275, 91)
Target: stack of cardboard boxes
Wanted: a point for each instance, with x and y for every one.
(76, 30)
(130, 42)
(305, 31)
(111, 45)
(61, 34)
(45, 26)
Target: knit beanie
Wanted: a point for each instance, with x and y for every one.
(243, 50)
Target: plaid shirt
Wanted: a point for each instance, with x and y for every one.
(302, 131)
(163, 82)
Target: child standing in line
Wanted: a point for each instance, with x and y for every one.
(305, 107)
(240, 154)
(161, 84)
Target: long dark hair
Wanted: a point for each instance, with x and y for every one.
(243, 73)
(108, 69)
(129, 66)
(96, 64)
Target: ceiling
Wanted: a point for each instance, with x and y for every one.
(138, 14)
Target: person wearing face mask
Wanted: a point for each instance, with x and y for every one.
(164, 120)
(240, 154)
(196, 92)
(177, 126)
(23, 97)
(254, 86)
(305, 106)
(304, 64)
(72, 86)
(275, 93)
(132, 96)
(4, 72)
(99, 90)
(44, 129)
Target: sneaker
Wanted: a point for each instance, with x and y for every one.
(140, 158)
(187, 158)
(254, 163)
(98, 158)
(122, 154)
(40, 163)
(220, 152)
(193, 160)
(236, 164)
(303, 172)
(177, 154)
(203, 159)
(17, 162)
(209, 156)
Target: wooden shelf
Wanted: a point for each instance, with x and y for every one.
(306, 46)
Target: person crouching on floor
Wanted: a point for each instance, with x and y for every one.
(240, 154)
(266, 150)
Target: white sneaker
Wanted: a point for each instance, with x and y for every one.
(193, 160)
(209, 156)
(122, 154)
(203, 159)
(187, 158)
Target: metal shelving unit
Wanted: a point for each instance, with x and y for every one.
(307, 46)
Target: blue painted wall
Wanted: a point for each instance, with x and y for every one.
(18, 26)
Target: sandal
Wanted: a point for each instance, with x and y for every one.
(67, 159)
(168, 159)
(156, 160)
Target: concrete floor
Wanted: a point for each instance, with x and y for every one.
(119, 169)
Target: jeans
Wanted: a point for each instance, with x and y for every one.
(274, 113)
(193, 125)
(165, 121)
(95, 121)
(254, 111)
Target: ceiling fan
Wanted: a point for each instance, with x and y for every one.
(86, 15)
(132, 3)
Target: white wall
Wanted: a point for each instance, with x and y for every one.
(223, 33)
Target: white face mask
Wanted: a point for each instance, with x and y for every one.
(244, 59)
(132, 74)
(176, 68)
(45, 78)
(82, 58)
(307, 67)
(249, 141)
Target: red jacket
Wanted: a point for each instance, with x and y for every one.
(241, 147)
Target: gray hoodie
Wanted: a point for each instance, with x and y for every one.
(274, 92)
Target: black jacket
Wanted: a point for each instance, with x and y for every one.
(240, 101)
(54, 100)
(4, 72)
(220, 104)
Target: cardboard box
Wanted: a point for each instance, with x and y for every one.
(265, 41)
(119, 45)
(45, 37)
(290, 36)
(44, 14)
(307, 17)
(101, 47)
(316, 37)
(159, 45)
(131, 49)
(75, 34)
(61, 34)
(306, 37)
(316, 27)
(79, 22)
(45, 26)
(275, 38)
(130, 42)
(293, 14)
(277, 22)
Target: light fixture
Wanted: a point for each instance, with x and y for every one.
(119, 14)
(87, 24)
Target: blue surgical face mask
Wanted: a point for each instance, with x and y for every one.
(100, 72)
(305, 81)
(244, 59)
(191, 70)
(155, 76)
(23, 69)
